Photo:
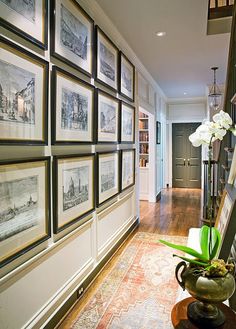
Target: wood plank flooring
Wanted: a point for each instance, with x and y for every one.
(177, 211)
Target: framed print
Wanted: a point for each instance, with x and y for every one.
(232, 172)
(23, 96)
(28, 19)
(24, 206)
(107, 176)
(225, 212)
(158, 132)
(72, 109)
(127, 169)
(107, 53)
(73, 189)
(127, 123)
(108, 118)
(72, 35)
(127, 78)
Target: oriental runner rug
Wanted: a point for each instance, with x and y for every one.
(138, 291)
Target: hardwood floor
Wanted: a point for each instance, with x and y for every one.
(177, 211)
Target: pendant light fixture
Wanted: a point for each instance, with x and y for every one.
(215, 95)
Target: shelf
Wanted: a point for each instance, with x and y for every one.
(143, 167)
(143, 142)
(143, 153)
(143, 129)
(229, 149)
(143, 118)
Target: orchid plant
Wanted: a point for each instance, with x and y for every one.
(206, 134)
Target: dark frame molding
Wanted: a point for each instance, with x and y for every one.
(97, 31)
(79, 81)
(43, 45)
(56, 228)
(47, 204)
(45, 66)
(53, 37)
(121, 54)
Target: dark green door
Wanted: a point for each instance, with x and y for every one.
(186, 159)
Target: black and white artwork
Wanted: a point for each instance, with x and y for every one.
(74, 115)
(19, 206)
(24, 208)
(17, 94)
(127, 77)
(127, 123)
(23, 96)
(107, 175)
(107, 60)
(72, 109)
(108, 118)
(75, 186)
(73, 189)
(72, 35)
(127, 167)
(108, 183)
(28, 18)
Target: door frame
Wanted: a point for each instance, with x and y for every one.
(170, 175)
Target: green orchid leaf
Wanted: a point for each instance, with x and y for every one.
(193, 261)
(216, 240)
(185, 249)
(204, 240)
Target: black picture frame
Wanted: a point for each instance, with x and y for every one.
(125, 64)
(125, 186)
(107, 137)
(77, 137)
(37, 193)
(10, 23)
(127, 130)
(21, 116)
(66, 55)
(102, 199)
(158, 132)
(113, 51)
(59, 222)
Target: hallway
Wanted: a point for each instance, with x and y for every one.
(177, 211)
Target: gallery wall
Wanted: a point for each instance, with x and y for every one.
(46, 275)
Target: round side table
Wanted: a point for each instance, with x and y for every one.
(180, 320)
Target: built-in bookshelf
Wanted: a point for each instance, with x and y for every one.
(143, 140)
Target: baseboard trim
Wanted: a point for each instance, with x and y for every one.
(68, 305)
(158, 197)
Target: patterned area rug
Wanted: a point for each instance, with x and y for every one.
(140, 290)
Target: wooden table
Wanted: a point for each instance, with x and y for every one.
(180, 320)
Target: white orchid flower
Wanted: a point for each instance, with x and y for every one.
(223, 119)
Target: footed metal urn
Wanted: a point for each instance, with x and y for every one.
(208, 291)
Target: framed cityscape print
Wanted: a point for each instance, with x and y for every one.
(24, 206)
(127, 123)
(108, 118)
(73, 189)
(23, 96)
(127, 169)
(107, 176)
(106, 71)
(28, 19)
(127, 78)
(72, 109)
(72, 35)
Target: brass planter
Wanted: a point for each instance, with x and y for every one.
(208, 292)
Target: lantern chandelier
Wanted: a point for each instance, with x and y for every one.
(215, 95)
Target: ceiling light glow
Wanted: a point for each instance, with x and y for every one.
(160, 34)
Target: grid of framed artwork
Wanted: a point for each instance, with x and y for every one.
(81, 112)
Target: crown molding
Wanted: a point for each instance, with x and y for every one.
(104, 22)
(192, 100)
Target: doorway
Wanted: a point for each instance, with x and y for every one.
(186, 159)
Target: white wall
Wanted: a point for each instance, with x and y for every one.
(36, 285)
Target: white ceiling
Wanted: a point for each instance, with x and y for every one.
(181, 61)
